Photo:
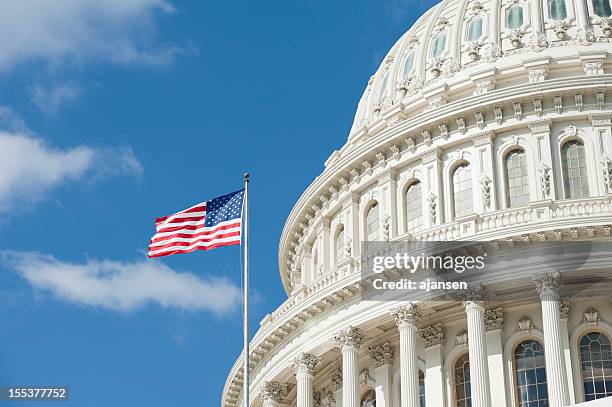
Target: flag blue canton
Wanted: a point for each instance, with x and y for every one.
(224, 208)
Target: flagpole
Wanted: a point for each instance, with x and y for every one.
(245, 300)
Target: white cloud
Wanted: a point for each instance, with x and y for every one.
(58, 31)
(30, 169)
(123, 286)
(50, 98)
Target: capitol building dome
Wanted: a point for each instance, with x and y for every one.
(488, 121)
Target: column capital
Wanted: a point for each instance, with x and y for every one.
(409, 314)
(274, 391)
(382, 354)
(494, 319)
(433, 335)
(547, 285)
(351, 337)
(539, 126)
(473, 298)
(305, 363)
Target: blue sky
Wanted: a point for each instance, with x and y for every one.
(112, 114)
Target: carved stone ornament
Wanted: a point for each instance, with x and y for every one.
(606, 26)
(606, 167)
(591, 316)
(538, 42)
(348, 244)
(316, 398)
(336, 378)
(328, 400)
(382, 354)
(538, 75)
(462, 338)
(490, 52)
(274, 391)
(547, 285)
(564, 308)
(560, 28)
(364, 377)
(525, 325)
(475, 296)
(409, 314)
(516, 37)
(585, 36)
(433, 199)
(485, 184)
(473, 50)
(545, 180)
(409, 86)
(593, 68)
(352, 337)
(305, 363)
(386, 224)
(433, 335)
(494, 319)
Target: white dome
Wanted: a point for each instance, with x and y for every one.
(457, 39)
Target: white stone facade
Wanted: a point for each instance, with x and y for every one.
(509, 139)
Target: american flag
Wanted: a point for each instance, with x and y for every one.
(204, 226)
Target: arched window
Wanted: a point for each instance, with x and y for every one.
(596, 365)
(462, 190)
(463, 394)
(414, 207)
(421, 388)
(408, 62)
(372, 224)
(383, 86)
(530, 373)
(368, 399)
(558, 10)
(474, 29)
(575, 176)
(514, 17)
(517, 178)
(602, 8)
(339, 244)
(438, 44)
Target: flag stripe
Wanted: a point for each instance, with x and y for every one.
(193, 233)
(182, 251)
(189, 242)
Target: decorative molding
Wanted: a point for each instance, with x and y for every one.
(564, 308)
(433, 335)
(593, 68)
(539, 126)
(525, 325)
(600, 118)
(494, 319)
(591, 316)
(485, 184)
(538, 74)
(462, 338)
(382, 354)
(336, 378)
(547, 285)
(274, 391)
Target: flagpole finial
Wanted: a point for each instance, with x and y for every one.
(246, 176)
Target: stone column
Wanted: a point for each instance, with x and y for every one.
(545, 188)
(564, 309)
(353, 225)
(433, 337)
(382, 356)
(494, 322)
(484, 159)
(273, 393)
(406, 318)
(304, 367)
(433, 191)
(479, 369)
(548, 287)
(349, 340)
(327, 245)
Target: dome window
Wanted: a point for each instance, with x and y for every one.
(517, 178)
(383, 86)
(602, 8)
(414, 207)
(372, 224)
(558, 10)
(462, 191)
(530, 374)
(474, 29)
(339, 243)
(438, 45)
(575, 177)
(514, 17)
(408, 63)
(595, 362)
